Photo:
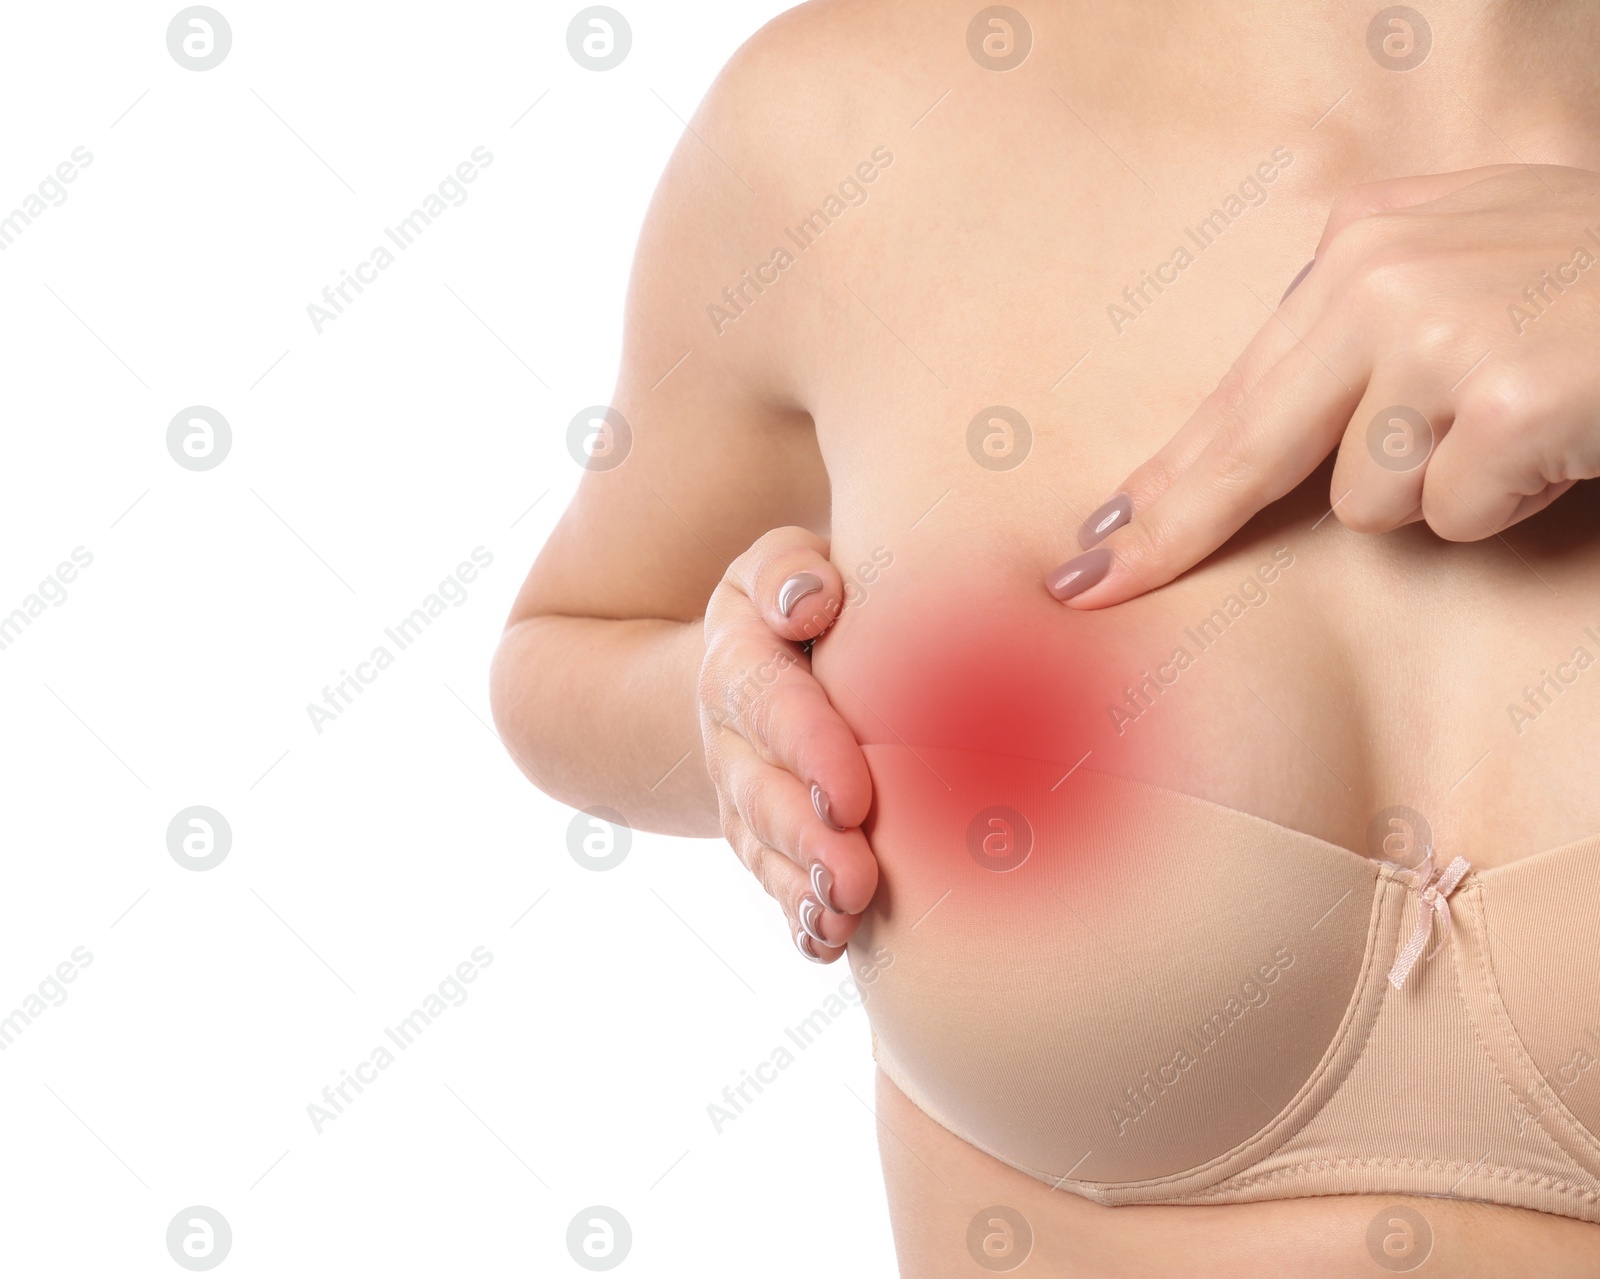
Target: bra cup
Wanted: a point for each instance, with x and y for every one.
(1100, 978)
(1534, 928)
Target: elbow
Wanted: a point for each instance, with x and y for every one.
(511, 695)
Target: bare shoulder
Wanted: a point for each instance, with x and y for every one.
(814, 87)
(798, 109)
(717, 395)
(815, 77)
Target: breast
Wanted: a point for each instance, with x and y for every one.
(1094, 977)
(1078, 970)
(983, 660)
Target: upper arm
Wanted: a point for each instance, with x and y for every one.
(722, 446)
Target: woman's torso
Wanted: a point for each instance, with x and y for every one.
(1372, 692)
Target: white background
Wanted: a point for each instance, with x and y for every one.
(371, 858)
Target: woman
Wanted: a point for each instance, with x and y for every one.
(1240, 926)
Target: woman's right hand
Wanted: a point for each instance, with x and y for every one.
(792, 782)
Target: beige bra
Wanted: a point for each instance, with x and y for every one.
(1143, 997)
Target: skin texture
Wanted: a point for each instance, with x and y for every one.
(825, 430)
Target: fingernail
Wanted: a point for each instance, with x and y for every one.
(819, 801)
(822, 885)
(1105, 520)
(811, 919)
(1295, 283)
(804, 944)
(1080, 573)
(796, 589)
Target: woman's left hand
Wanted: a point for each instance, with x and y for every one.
(1446, 337)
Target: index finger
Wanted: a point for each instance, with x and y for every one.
(1270, 344)
(1275, 437)
(1390, 194)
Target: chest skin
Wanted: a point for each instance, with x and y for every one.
(994, 336)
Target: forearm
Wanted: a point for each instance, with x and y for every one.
(601, 711)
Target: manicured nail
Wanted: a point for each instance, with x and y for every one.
(804, 944)
(822, 885)
(1295, 283)
(1080, 573)
(796, 589)
(1105, 520)
(811, 919)
(819, 801)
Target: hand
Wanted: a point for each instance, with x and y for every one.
(792, 782)
(1444, 338)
